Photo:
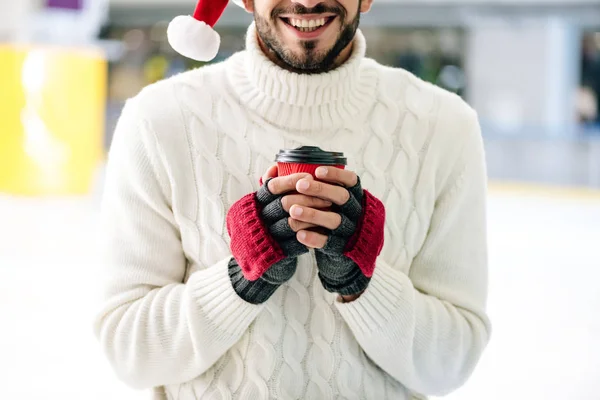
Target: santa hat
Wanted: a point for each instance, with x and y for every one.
(193, 36)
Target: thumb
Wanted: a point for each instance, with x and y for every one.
(272, 172)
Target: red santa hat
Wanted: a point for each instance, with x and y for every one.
(193, 36)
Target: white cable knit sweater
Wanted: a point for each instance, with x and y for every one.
(187, 148)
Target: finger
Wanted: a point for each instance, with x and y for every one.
(334, 245)
(273, 211)
(346, 229)
(298, 226)
(310, 239)
(284, 184)
(264, 195)
(337, 175)
(286, 228)
(303, 200)
(357, 191)
(352, 209)
(336, 194)
(272, 172)
(326, 219)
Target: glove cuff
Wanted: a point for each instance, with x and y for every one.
(366, 244)
(350, 286)
(252, 246)
(253, 292)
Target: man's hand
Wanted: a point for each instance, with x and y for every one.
(333, 192)
(279, 185)
(347, 251)
(263, 242)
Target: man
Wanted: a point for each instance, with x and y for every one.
(223, 287)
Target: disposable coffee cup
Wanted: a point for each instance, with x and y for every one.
(307, 159)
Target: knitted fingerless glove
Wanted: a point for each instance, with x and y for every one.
(263, 245)
(347, 261)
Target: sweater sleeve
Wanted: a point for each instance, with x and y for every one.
(154, 329)
(429, 328)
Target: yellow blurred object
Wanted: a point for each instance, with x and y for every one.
(156, 69)
(52, 116)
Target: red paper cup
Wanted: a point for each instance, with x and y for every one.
(307, 159)
(295, 168)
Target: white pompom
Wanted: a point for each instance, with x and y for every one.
(193, 39)
(239, 3)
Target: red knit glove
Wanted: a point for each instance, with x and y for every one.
(347, 261)
(263, 245)
(251, 245)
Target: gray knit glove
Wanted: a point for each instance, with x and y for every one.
(337, 272)
(272, 266)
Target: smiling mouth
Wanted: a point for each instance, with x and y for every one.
(305, 25)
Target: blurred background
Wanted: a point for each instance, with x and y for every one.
(531, 68)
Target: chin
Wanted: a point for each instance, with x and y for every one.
(320, 46)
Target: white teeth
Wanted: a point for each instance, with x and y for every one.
(307, 25)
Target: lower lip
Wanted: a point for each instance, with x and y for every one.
(309, 35)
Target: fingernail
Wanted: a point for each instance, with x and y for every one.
(322, 171)
(301, 235)
(303, 184)
(297, 211)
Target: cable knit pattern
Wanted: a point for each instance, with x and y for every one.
(321, 360)
(188, 148)
(296, 311)
(349, 383)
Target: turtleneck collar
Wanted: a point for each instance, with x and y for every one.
(304, 102)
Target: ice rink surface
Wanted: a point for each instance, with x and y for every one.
(544, 302)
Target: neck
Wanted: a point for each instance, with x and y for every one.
(304, 103)
(275, 59)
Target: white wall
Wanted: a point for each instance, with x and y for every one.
(523, 75)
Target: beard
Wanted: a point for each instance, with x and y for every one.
(310, 61)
